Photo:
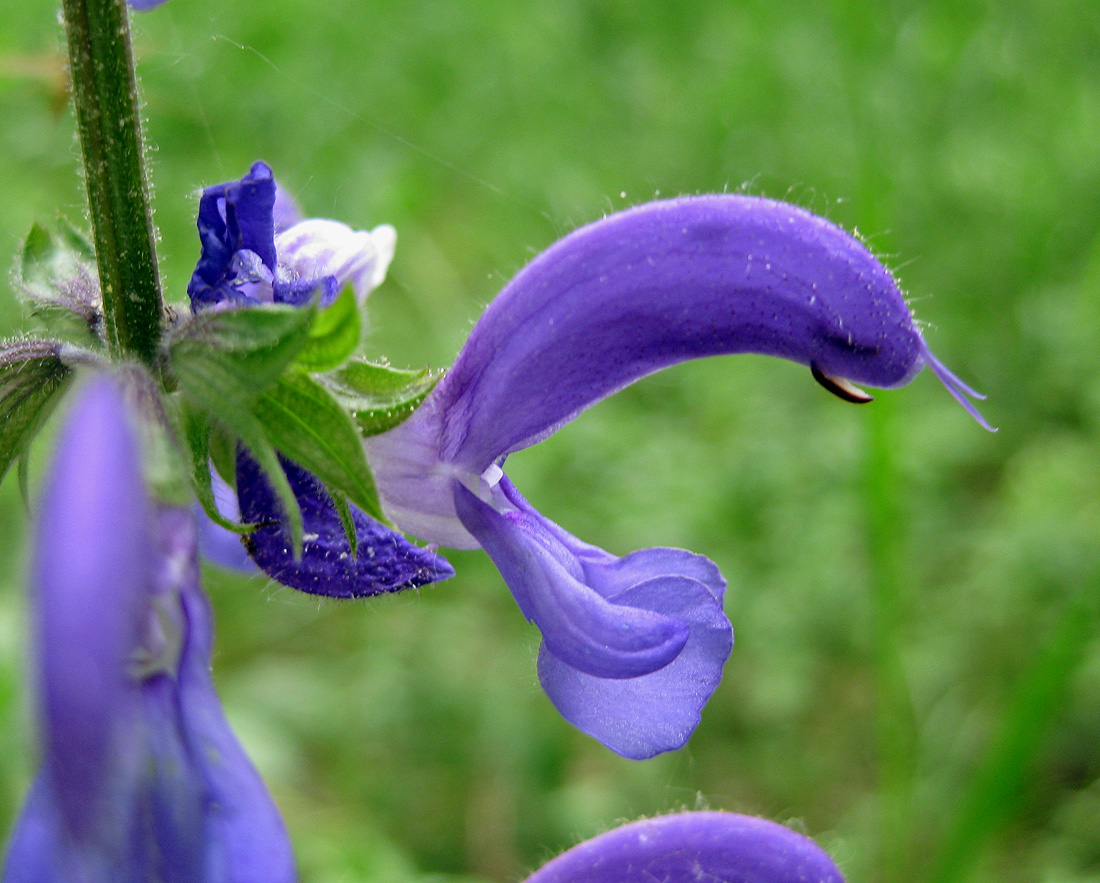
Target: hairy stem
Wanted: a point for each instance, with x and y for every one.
(105, 98)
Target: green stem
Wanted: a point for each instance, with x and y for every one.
(105, 97)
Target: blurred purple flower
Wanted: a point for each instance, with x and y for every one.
(255, 248)
(633, 647)
(146, 5)
(141, 776)
(692, 847)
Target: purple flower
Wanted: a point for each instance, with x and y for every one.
(146, 5)
(384, 560)
(256, 250)
(692, 847)
(633, 647)
(141, 776)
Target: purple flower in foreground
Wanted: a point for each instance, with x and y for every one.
(256, 250)
(633, 647)
(692, 847)
(141, 777)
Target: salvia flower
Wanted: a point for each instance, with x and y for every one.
(633, 647)
(692, 847)
(141, 776)
(255, 250)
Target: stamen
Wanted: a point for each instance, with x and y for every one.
(957, 388)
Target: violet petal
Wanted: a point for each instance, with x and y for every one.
(658, 711)
(385, 560)
(89, 570)
(691, 847)
(604, 639)
(636, 714)
(244, 837)
(233, 217)
(659, 284)
(630, 294)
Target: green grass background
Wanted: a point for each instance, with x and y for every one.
(916, 677)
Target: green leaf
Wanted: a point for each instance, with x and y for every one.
(334, 335)
(74, 239)
(380, 397)
(305, 422)
(32, 378)
(225, 360)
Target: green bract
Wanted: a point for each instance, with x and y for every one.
(281, 379)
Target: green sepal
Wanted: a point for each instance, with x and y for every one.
(334, 335)
(378, 396)
(250, 431)
(223, 453)
(32, 378)
(307, 424)
(225, 360)
(223, 363)
(340, 504)
(195, 430)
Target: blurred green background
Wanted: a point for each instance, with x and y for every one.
(916, 678)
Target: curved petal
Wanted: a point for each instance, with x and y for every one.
(643, 716)
(171, 805)
(692, 847)
(90, 567)
(608, 640)
(609, 574)
(659, 284)
(204, 814)
(385, 561)
(630, 294)
(611, 577)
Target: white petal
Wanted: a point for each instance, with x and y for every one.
(316, 248)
